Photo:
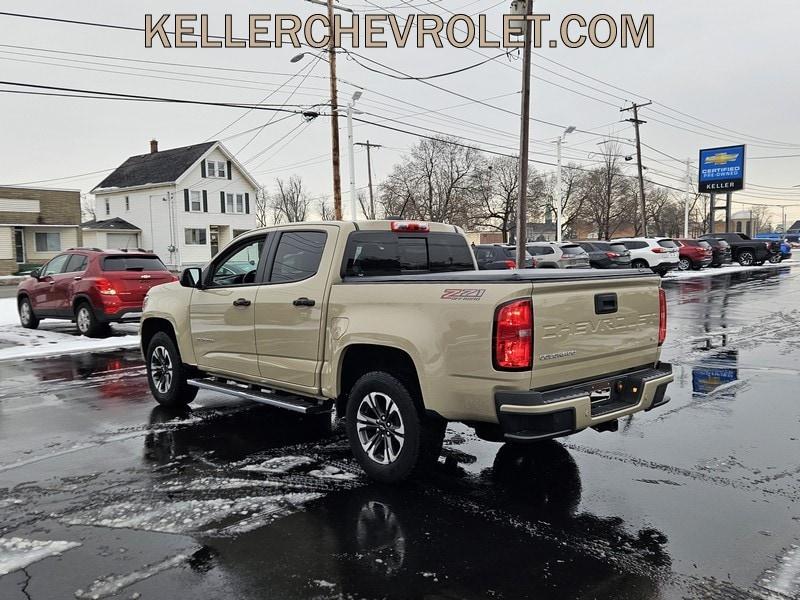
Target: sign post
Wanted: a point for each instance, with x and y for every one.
(722, 170)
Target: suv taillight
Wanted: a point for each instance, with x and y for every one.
(659, 250)
(511, 264)
(513, 336)
(105, 287)
(662, 317)
(612, 255)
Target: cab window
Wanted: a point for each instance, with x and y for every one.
(239, 265)
(298, 256)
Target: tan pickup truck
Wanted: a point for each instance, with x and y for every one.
(391, 324)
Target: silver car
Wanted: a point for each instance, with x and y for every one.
(551, 255)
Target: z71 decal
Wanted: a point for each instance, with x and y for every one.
(468, 294)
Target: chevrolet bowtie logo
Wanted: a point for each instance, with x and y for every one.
(720, 159)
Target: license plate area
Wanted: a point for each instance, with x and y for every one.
(618, 395)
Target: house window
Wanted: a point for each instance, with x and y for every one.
(108, 207)
(195, 237)
(127, 203)
(197, 202)
(49, 242)
(216, 169)
(234, 203)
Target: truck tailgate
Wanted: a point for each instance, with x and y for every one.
(591, 328)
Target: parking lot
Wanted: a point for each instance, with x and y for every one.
(700, 498)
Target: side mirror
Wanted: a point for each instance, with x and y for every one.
(36, 273)
(192, 277)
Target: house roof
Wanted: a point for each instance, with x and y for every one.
(164, 166)
(795, 227)
(115, 224)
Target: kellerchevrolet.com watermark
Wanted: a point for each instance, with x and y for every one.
(379, 30)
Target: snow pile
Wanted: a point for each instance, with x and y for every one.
(108, 586)
(280, 464)
(188, 516)
(53, 336)
(17, 553)
(331, 472)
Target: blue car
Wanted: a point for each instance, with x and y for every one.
(786, 248)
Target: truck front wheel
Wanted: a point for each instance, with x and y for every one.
(390, 436)
(166, 374)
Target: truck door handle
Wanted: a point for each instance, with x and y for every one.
(304, 302)
(242, 302)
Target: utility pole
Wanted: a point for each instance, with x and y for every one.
(636, 121)
(368, 146)
(337, 177)
(688, 198)
(559, 191)
(524, 136)
(350, 109)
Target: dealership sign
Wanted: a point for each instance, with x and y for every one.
(722, 169)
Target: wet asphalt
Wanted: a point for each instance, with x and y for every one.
(699, 499)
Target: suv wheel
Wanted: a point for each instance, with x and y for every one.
(746, 258)
(390, 437)
(166, 374)
(87, 323)
(776, 259)
(26, 316)
(684, 264)
(639, 264)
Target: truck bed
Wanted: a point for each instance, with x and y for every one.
(510, 276)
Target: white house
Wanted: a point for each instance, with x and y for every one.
(185, 203)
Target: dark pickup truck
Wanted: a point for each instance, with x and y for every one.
(745, 250)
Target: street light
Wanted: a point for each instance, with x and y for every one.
(350, 107)
(559, 207)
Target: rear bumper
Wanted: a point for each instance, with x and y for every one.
(123, 315)
(665, 266)
(532, 415)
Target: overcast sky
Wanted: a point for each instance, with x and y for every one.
(731, 64)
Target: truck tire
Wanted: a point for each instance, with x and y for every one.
(746, 258)
(86, 322)
(27, 318)
(389, 435)
(166, 374)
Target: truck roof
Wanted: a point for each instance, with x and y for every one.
(382, 225)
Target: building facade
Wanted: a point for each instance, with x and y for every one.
(184, 204)
(36, 224)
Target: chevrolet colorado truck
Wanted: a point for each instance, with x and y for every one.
(391, 324)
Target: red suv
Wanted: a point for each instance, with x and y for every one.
(91, 287)
(694, 254)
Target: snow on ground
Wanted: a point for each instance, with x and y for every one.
(54, 337)
(112, 584)
(17, 553)
(724, 270)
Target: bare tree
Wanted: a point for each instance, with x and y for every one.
(495, 194)
(610, 199)
(290, 203)
(262, 206)
(88, 210)
(369, 206)
(326, 210)
(434, 182)
(760, 219)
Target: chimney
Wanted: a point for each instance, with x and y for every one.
(153, 146)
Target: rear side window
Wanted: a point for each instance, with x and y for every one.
(619, 248)
(133, 263)
(381, 253)
(703, 244)
(484, 254)
(692, 243)
(298, 256)
(540, 250)
(571, 250)
(667, 244)
(635, 245)
(77, 264)
(592, 247)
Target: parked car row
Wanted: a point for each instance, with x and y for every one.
(659, 254)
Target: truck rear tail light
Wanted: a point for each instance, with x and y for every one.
(662, 317)
(513, 336)
(511, 264)
(411, 226)
(105, 287)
